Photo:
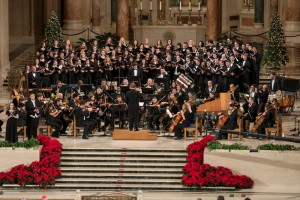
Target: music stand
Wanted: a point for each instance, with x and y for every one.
(124, 88)
(160, 81)
(148, 90)
(87, 88)
(134, 79)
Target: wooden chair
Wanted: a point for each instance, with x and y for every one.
(24, 131)
(278, 127)
(75, 127)
(43, 125)
(194, 127)
(238, 130)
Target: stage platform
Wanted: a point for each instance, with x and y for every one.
(121, 134)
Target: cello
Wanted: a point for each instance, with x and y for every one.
(222, 121)
(260, 120)
(176, 121)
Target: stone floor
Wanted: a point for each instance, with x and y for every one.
(276, 174)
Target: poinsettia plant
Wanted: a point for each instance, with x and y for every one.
(41, 173)
(198, 174)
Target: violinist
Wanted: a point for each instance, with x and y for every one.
(119, 110)
(230, 121)
(95, 110)
(64, 114)
(171, 110)
(98, 93)
(187, 118)
(155, 114)
(22, 114)
(250, 112)
(269, 118)
(52, 116)
(11, 125)
(82, 114)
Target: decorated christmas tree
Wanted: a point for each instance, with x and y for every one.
(53, 31)
(275, 55)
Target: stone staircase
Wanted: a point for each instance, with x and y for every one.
(111, 169)
(121, 169)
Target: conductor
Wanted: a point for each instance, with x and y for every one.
(132, 100)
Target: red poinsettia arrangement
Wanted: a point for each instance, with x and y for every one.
(41, 173)
(198, 174)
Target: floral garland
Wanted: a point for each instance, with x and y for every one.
(41, 173)
(198, 174)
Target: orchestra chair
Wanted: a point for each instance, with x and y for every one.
(75, 127)
(43, 125)
(194, 128)
(278, 127)
(238, 130)
(24, 130)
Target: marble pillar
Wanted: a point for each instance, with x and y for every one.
(274, 6)
(123, 19)
(4, 40)
(292, 15)
(96, 17)
(213, 19)
(259, 14)
(73, 15)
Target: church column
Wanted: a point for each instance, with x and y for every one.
(213, 19)
(123, 19)
(259, 14)
(96, 18)
(4, 38)
(292, 15)
(73, 15)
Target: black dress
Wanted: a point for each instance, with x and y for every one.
(11, 127)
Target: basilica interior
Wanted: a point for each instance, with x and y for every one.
(275, 175)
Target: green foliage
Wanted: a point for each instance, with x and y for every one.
(217, 145)
(53, 31)
(275, 55)
(278, 147)
(103, 37)
(24, 144)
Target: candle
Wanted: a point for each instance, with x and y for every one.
(151, 5)
(190, 8)
(199, 3)
(159, 5)
(179, 5)
(141, 1)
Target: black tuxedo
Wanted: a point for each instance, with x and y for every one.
(276, 86)
(139, 75)
(32, 117)
(132, 100)
(82, 121)
(34, 78)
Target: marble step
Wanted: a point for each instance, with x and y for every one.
(121, 170)
(121, 175)
(121, 164)
(121, 150)
(118, 180)
(119, 186)
(124, 154)
(119, 159)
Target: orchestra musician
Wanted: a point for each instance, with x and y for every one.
(154, 114)
(231, 121)
(52, 116)
(269, 118)
(81, 115)
(187, 118)
(210, 92)
(263, 97)
(170, 111)
(33, 108)
(58, 89)
(132, 100)
(11, 125)
(120, 110)
(235, 96)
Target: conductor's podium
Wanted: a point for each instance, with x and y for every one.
(122, 134)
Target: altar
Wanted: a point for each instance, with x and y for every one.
(178, 34)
